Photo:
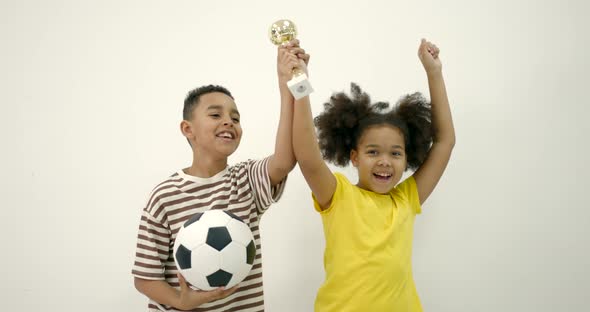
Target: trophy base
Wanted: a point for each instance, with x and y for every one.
(300, 86)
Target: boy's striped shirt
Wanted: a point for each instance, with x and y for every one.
(243, 189)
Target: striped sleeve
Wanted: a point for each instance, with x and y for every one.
(264, 193)
(151, 253)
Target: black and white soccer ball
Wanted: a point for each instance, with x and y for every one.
(214, 249)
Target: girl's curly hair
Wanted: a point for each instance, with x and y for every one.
(345, 118)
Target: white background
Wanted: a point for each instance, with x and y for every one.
(91, 99)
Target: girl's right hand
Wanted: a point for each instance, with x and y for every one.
(190, 299)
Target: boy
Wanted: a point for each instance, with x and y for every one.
(211, 124)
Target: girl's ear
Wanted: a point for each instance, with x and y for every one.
(354, 157)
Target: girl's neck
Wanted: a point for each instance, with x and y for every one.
(360, 186)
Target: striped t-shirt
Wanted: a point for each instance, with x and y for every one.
(243, 189)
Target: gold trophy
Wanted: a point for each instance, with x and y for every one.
(281, 32)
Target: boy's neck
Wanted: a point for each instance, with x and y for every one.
(203, 167)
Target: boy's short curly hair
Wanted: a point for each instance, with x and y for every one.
(345, 118)
(193, 97)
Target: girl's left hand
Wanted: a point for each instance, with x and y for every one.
(428, 54)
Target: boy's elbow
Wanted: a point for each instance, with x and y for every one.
(277, 171)
(282, 167)
(139, 284)
(284, 170)
(291, 166)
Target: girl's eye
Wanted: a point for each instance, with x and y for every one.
(372, 152)
(215, 115)
(236, 119)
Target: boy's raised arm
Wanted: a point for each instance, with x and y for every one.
(283, 159)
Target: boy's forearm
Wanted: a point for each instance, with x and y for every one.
(159, 291)
(284, 158)
(442, 120)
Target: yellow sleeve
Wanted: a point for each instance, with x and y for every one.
(341, 184)
(410, 190)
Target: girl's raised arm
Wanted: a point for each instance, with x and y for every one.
(429, 173)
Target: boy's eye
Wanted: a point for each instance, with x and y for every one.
(215, 115)
(236, 119)
(372, 152)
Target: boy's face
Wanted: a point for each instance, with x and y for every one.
(215, 125)
(380, 158)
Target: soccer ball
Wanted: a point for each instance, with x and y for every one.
(214, 249)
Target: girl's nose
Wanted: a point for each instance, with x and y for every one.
(383, 162)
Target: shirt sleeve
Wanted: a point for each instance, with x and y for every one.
(152, 247)
(264, 193)
(409, 190)
(342, 185)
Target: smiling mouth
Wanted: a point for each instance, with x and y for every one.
(226, 135)
(382, 176)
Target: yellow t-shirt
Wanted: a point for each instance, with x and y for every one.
(368, 256)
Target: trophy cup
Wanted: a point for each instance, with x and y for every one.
(281, 32)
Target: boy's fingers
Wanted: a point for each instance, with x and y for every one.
(305, 58)
(182, 282)
(230, 291)
(297, 51)
(220, 293)
(215, 294)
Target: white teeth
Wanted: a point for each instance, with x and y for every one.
(385, 175)
(225, 135)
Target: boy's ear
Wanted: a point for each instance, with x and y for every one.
(186, 129)
(354, 157)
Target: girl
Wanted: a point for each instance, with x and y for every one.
(368, 226)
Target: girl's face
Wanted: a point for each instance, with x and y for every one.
(380, 158)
